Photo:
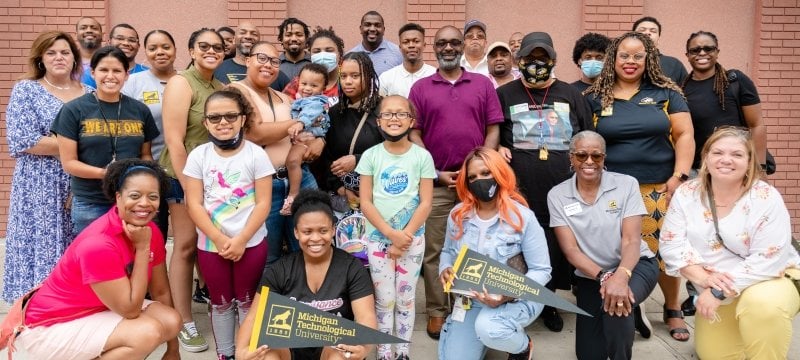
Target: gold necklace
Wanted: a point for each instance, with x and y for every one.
(51, 84)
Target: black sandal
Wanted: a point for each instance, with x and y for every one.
(675, 314)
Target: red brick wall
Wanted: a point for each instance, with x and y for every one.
(264, 14)
(611, 17)
(20, 22)
(779, 86)
(434, 14)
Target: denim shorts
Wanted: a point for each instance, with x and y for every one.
(175, 193)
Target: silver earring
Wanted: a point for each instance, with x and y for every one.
(40, 65)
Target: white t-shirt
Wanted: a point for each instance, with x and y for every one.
(147, 88)
(229, 188)
(398, 81)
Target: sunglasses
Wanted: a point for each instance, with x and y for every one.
(398, 115)
(264, 58)
(454, 43)
(583, 156)
(229, 117)
(204, 46)
(698, 49)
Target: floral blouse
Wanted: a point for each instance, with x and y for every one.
(758, 229)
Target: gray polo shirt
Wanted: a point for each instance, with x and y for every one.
(598, 227)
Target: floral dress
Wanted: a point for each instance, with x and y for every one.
(39, 227)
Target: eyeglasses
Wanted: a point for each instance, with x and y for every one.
(131, 40)
(698, 49)
(217, 118)
(398, 115)
(441, 44)
(636, 57)
(583, 156)
(264, 58)
(204, 46)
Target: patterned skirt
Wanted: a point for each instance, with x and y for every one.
(656, 204)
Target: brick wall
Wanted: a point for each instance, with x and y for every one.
(611, 17)
(434, 14)
(779, 86)
(264, 14)
(20, 22)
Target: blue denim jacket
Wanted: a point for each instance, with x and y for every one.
(503, 241)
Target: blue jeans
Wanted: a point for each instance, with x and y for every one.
(279, 226)
(501, 328)
(84, 212)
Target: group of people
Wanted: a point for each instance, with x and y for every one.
(634, 174)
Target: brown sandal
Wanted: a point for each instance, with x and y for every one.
(675, 314)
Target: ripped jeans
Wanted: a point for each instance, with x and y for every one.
(231, 287)
(501, 328)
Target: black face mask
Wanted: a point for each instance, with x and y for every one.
(229, 144)
(536, 71)
(483, 189)
(394, 138)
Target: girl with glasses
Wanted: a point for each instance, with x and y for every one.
(645, 121)
(183, 112)
(228, 186)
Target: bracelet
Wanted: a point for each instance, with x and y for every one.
(626, 270)
(603, 275)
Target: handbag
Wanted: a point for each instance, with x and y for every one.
(735, 88)
(14, 322)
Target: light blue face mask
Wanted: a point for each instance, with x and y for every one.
(326, 59)
(591, 68)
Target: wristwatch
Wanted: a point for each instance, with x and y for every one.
(718, 294)
(681, 176)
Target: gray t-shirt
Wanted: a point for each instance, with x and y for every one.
(598, 226)
(147, 88)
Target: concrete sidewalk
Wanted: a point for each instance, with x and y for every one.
(547, 345)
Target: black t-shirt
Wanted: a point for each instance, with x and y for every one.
(580, 85)
(103, 138)
(707, 113)
(229, 71)
(637, 132)
(347, 280)
(339, 136)
(673, 68)
(526, 128)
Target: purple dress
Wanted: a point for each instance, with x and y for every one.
(39, 227)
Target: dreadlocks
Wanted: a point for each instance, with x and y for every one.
(720, 75)
(603, 87)
(369, 80)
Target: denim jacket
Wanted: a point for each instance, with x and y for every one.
(503, 243)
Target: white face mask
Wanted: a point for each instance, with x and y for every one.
(326, 59)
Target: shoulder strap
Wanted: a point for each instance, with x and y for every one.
(358, 131)
(716, 222)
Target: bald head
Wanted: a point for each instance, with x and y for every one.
(247, 35)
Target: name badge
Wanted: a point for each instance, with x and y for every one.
(519, 108)
(572, 209)
(608, 111)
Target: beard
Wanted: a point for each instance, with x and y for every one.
(244, 50)
(449, 64)
(89, 44)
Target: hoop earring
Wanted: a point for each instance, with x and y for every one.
(40, 65)
(571, 169)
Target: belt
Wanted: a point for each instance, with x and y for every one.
(281, 173)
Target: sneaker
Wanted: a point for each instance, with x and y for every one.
(525, 355)
(223, 357)
(552, 320)
(200, 295)
(190, 339)
(402, 357)
(640, 321)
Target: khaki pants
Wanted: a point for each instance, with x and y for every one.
(444, 199)
(756, 325)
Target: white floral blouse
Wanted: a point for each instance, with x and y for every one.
(758, 229)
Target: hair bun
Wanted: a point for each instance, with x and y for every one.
(309, 197)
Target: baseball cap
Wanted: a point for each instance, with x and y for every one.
(473, 23)
(536, 40)
(497, 44)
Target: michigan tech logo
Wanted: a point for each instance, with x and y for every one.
(472, 271)
(281, 319)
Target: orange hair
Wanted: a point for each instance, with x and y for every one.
(507, 189)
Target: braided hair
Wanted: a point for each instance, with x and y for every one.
(721, 82)
(369, 80)
(603, 87)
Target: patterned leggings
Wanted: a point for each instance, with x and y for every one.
(395, 284)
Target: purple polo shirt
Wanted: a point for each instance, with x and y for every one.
(453, 117)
